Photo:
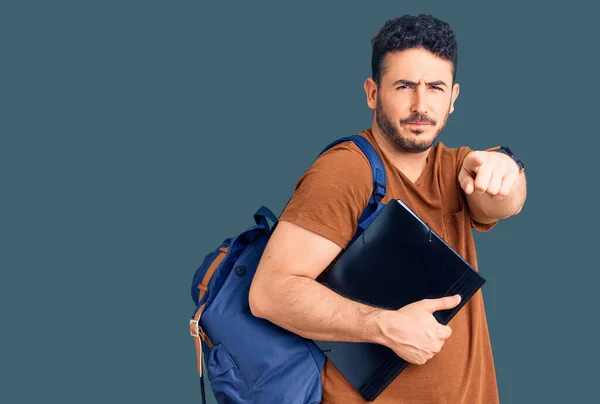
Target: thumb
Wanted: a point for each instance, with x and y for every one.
(443, 303)
(466, 181)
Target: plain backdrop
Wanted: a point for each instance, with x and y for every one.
(137, 135)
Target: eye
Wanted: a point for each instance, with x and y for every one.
(436, 88)
(404, 87)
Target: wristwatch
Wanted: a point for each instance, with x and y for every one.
(510, 154)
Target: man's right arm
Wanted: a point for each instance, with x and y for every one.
(285, 292)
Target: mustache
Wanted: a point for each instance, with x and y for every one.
(418, 118)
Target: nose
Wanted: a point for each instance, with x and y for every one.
(419, 105)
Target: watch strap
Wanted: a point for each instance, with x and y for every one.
(510, 154)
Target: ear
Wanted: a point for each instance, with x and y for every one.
(371, 93)
(455, 91)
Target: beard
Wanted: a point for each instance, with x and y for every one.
(411, 145)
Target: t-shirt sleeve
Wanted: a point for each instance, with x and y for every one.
(331, 195)
(481, 227)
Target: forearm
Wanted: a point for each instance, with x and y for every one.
(307, 308)
(487, 209)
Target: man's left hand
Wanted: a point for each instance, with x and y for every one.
(490, 172)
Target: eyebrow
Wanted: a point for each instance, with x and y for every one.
(412, 83)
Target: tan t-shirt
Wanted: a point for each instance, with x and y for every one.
(329, 199)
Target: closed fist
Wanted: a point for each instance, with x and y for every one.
(414, 333)
(490, 172)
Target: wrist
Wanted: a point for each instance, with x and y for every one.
(378, 322)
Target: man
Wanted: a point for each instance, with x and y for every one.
(412, 92)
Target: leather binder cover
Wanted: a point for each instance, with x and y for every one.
(396, 261)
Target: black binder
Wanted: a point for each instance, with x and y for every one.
(397, 260)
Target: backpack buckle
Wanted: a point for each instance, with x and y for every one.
(196, 330)
(378, 191)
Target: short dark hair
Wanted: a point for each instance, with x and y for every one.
(406, 32)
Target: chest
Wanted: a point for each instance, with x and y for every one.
(435, 196)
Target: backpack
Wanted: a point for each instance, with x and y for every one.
(249, 359)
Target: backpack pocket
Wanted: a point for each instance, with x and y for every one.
(228, 384)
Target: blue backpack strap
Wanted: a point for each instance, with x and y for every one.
(379, 181)
(261, 216)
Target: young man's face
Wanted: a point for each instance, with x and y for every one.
(414, 98)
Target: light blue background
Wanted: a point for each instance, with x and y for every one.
(136, 136)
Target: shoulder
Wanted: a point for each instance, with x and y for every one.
(342, 164)
(330, 196)
(347, 154)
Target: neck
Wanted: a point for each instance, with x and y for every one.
(410, 164)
